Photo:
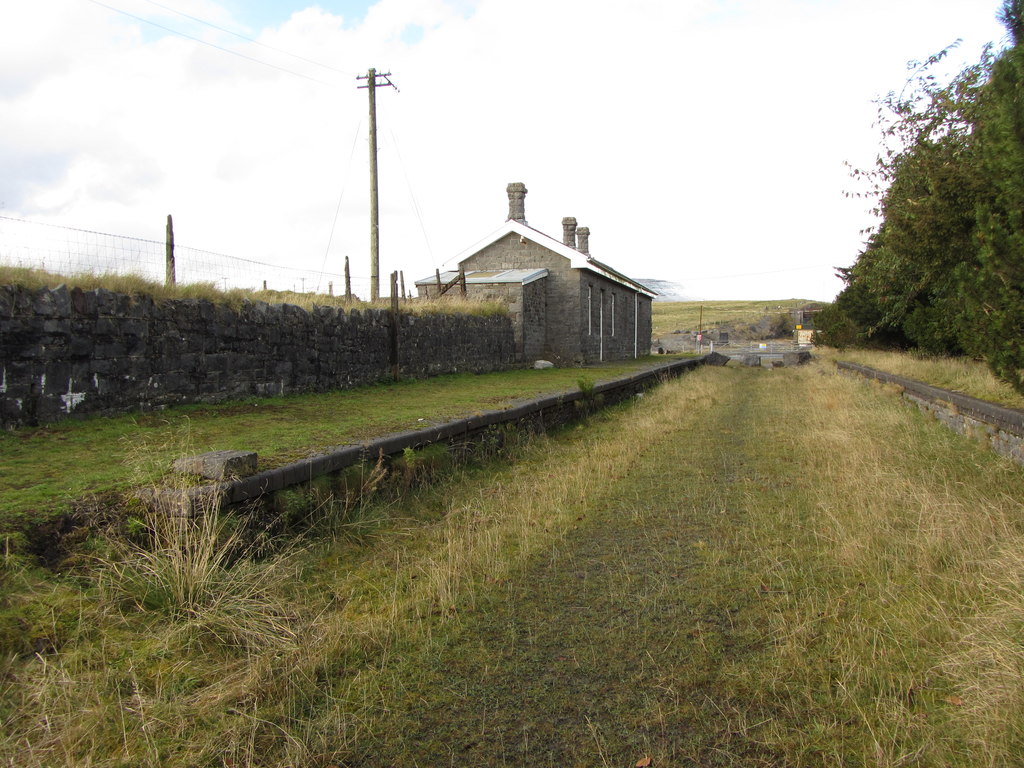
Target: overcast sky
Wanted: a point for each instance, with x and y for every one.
(702, 141)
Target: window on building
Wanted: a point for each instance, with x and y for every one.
(590, 310)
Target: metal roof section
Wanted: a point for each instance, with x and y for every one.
(577, 260)
(524, 276)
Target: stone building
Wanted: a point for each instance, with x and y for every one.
(567, 307)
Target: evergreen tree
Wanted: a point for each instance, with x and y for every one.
(855, 319)
(997, 295)
(907, 287)
(927, 247)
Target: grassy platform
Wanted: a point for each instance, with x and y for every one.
(44, 470)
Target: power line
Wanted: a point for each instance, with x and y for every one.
(243, 37)
(412, 197)
(768, 272)
(204, 42)
(337, 210)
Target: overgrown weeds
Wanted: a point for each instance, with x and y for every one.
(720, 573)
(198, 570)
(187, 649)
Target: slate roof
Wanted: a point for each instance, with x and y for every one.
(577, 259)
(523, 276)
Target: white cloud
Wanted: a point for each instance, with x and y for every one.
(696, 139)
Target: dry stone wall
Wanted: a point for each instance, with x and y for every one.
(68, 352)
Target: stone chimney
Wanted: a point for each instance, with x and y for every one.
(569, 231)
(516, 202)
(583, 234)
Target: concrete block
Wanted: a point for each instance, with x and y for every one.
(218, 465)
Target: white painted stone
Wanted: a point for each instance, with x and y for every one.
(72, 400)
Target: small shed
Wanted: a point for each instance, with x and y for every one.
(567, 307)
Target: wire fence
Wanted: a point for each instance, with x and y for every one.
(69, 251)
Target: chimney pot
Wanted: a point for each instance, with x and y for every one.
(516, 202)
(569, 231)
(583, 234)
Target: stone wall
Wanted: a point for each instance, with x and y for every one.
(615, 326)
(72, 352)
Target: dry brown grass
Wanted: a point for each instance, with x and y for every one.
(889, 563)
(959, 374)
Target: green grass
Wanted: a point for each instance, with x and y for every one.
(744, 567)
(44, 469)
(669, 316)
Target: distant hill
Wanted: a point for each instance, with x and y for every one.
(666, 290)
(734, 316)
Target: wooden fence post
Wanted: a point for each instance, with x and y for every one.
(169, 276)
(401, 278)
(395, 319)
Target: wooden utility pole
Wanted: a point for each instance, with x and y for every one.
(396, 319)
(372, 85)
(169, 277)
(348, 282)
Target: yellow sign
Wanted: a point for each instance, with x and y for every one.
(799, 327)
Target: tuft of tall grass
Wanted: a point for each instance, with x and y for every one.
(181, 557)
(199, 571)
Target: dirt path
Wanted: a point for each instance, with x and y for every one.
(611, 647)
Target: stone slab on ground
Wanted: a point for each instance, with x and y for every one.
(217, 465)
